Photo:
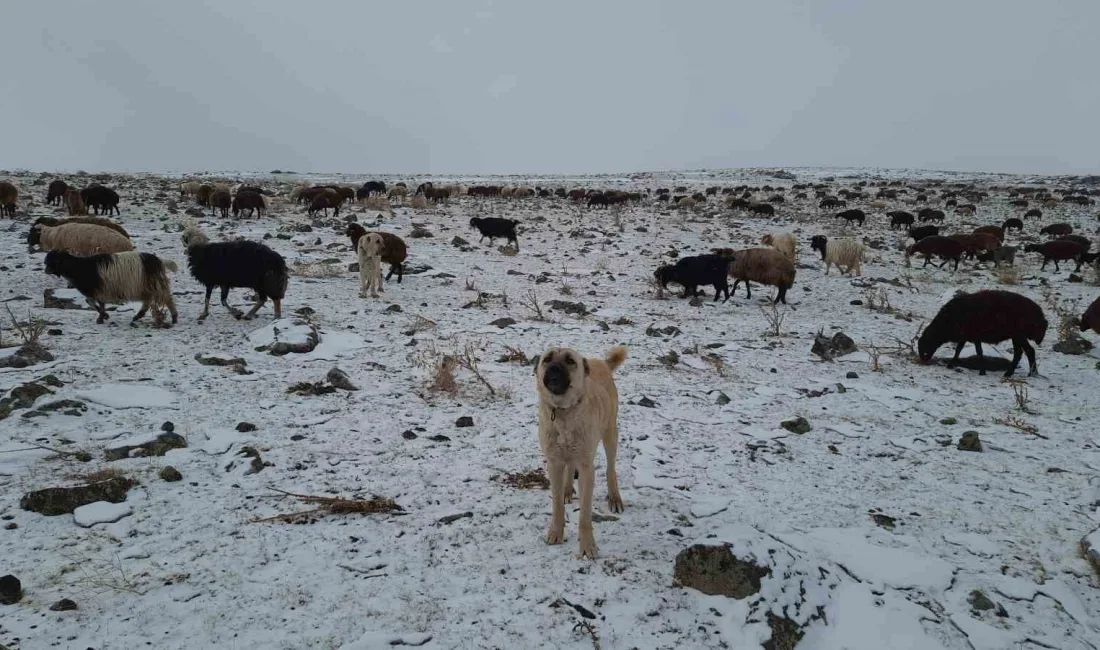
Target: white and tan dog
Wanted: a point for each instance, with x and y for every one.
(578, 408)
(370, 264)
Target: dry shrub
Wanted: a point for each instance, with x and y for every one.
(531, 302)
(316, 270)
(775, 318)
(1008, 275)
(336, 506)
(421, 323)
(99, 475)
(420, 203)
(513, 354)
(532, 479)
(29, 331)
(378, 203)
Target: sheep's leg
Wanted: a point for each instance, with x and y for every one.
(981, 358)
(1056, 268)
(748, 289)
(206, 307)
(225, 303)
(1034, 367)
(516, 242)
(255, 308)
(98, 306)
(956, 264)
(781, 296)
(171, 305)
(1044, 266)
(141, 312)
(1017, 352)
(1078, 265)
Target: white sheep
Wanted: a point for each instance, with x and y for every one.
(82, 239)
(842, 252)
(784, 242)
(370, 264)
(398, 191)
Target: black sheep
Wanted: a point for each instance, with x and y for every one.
(56, 192)
(598, 199)
(98, 196)
(1058, 250)
(920, 232)
(989, 316)
(693, 272)
(928, 214)
(244, 264)
(854, 214)
(248, 200)
(1034, 212)
(493, 227)
(763, 208)
(1012, 222)
(370, 188)
(900, 218)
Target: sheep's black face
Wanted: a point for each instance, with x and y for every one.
(926, 348)
(53, 263)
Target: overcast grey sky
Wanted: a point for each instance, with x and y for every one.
(550, 87)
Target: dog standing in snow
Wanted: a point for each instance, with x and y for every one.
(578, 408)
(370, 264)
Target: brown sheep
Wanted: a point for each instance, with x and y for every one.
(251, 201)
(203, 195)
(34, 236)
(394, 250)
(220, 200)
(763, 265)
(75, 203)
(8, 194)
(56, 192)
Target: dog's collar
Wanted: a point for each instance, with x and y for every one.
(554, 409)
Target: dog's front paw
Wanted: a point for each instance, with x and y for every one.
(556, 535)
(587, 547)
(568, 497)
(615, 503)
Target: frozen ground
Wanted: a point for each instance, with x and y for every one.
(874, 515)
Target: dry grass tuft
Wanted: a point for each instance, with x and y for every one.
(316, 270)
(532, 479)
(418, 202)
(378, 203)
(334, 505)
(1008, 275)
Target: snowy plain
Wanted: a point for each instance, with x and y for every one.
(876, 496)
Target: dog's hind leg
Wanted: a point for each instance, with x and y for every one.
(610, 448)
(567, 477)
(585, 534)
(556, 533)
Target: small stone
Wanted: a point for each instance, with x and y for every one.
(340, 379)
(1075, 278)
(11, 525)
(675, 532)
(170, 474)
(458, 241)
(353, 267)
(464, 421)
(979, 601)
(168, 427)
(840, 388)
(11, 590)
(394, 309)
(799, 425)
(408, 434)
(647, 403)
(970, 442)
(716, 571)
(503, 322)
(722, 399)
(856, 303)
(450, 519)
(63, 605)
(245, 427)
(852, 374)
(439, 437)
(948, 421)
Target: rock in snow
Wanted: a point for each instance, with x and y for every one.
(101, 512)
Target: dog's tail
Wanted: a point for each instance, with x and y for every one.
(615, 357)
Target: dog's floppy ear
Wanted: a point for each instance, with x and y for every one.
(586, 367)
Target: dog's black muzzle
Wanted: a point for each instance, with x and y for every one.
(556, 379)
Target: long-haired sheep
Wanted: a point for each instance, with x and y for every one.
(115, 277)
(783, 242)
(1057, 250)
(99, 197)
(394, 250)
(945, 248)
(221, 200)
(763, 208)
(900, 219)
(244, 264)
(55, 194)
(996, 231)
(849, 216)
(249, 200)
(34, 235)
(75, 203)
(841, 252)
(989, 316)
(1090, 320)
(1057, 229)
(79, 238)
(763, 265)
(189, 188)
(8, 194)
(369, 251)
(204, 193)
(695, 271)
(493, 227)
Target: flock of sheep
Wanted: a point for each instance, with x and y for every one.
(97, 257)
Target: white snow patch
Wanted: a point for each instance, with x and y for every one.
(392, 641)
(101, 512)
(882, 565)
(333, 345)
(126, 396)
(979, 545)
(709, 507)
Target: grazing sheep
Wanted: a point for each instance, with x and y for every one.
(371, 188)
(322, 201)
(244, 264)
(998, 255)
(99, 197)
(75, 204)
(763, 265)
(493, 227)
(56, 192)
(398, 191)
(686, 203)
(1085, 242)
(1057, 230)
(249, 200)
(598, 199)
(996, 231)
(830, 202)
(8, 194)
(1012, 222)
(1090, 320)
(1034, 212)
(394, 250)
(852, 215)
(1018, 203)
(965, 210)
(763, 208)
(116, 277)
(928, 214)
(878, 205)
(841, 252)
(79, 238)
(696, 271)
(220, 200)
(733, 203)
(900, 218)
(976, 242)
(1058, 250)
(989, 316)
(920, 232)
(369, 250)
(189, 188)
(784, 242)
(34, 235)
(944, 248)
(204, 193)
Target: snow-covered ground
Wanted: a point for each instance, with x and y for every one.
(873, 515)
